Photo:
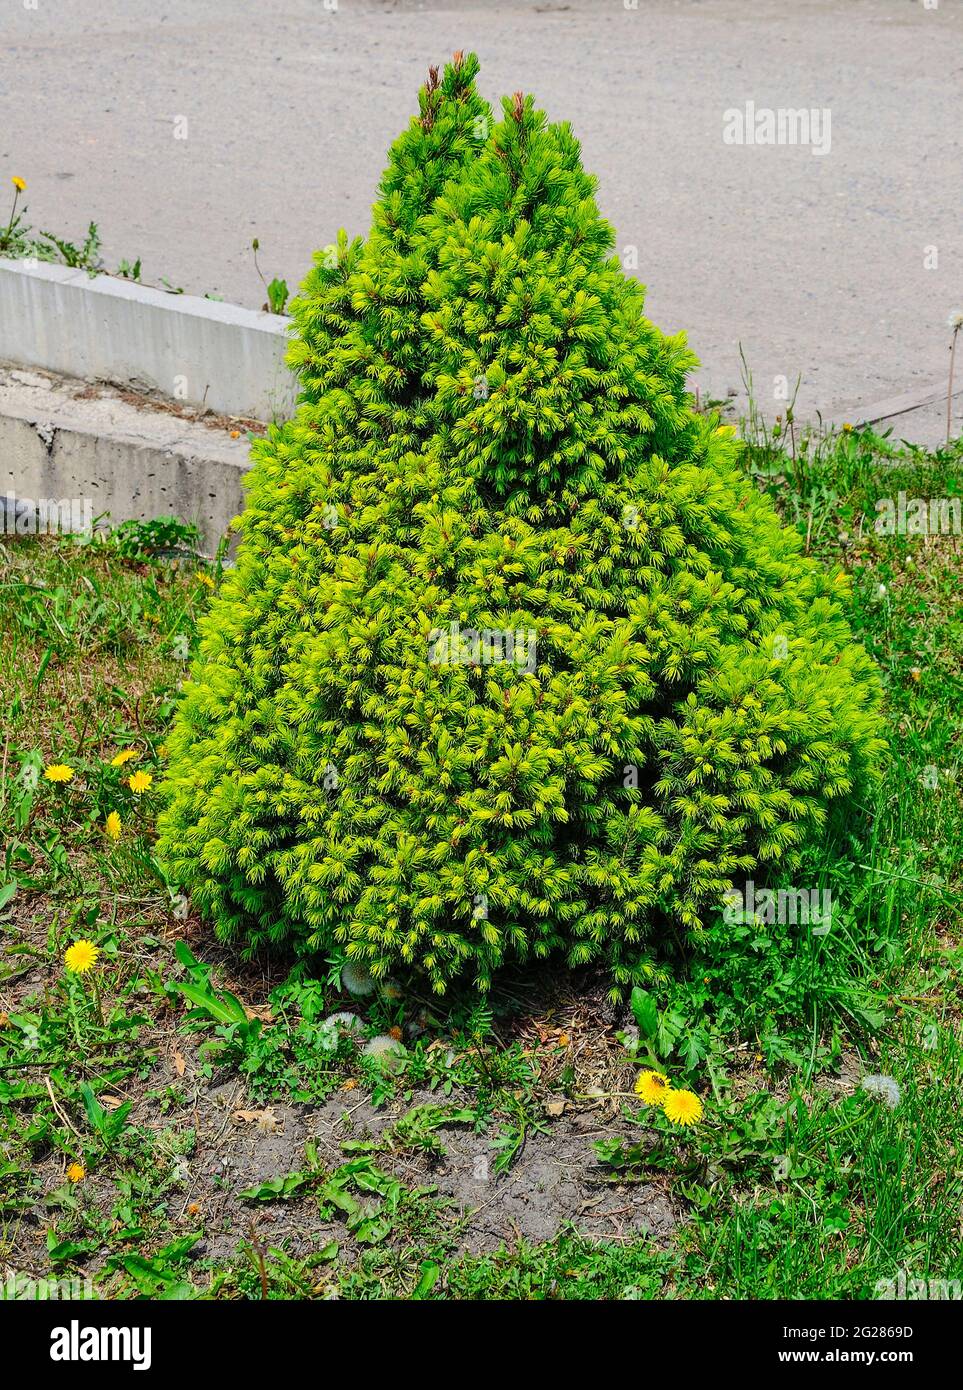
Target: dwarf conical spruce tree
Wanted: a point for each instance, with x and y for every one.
(515, 660)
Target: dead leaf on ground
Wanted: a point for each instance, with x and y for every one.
(260, 1011)
(266, 1120)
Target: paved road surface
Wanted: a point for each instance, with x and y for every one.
(815, 263)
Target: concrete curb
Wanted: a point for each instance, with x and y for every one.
(895, 406)
(221, 356)
(106, 453)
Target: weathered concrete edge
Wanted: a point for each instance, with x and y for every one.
(135, 466)
(223, 356)
(904, 404)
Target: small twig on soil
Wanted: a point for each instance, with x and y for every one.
(59, 1112)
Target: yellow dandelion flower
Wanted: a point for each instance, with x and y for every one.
(682, 1107)
(76, 1172)
(139, 782)
(162, 751)
(79, 957)
(123, 757)
(207, 580)
(651, 1086)
(18, 184)
(58, 772)
(113, 825)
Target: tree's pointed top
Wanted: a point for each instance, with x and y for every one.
(552, 381)
(457, 79)
(448, 133)
(429, 101)
(451, 126)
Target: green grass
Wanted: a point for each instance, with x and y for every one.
(796, 1184)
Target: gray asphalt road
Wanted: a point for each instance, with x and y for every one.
(815, 263)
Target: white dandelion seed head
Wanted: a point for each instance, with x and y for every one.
(955, 319)
(356, 979)
(349, 1022)
(387, 1051)
(884, 1086)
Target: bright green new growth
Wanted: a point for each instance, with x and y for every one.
(514, 659)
